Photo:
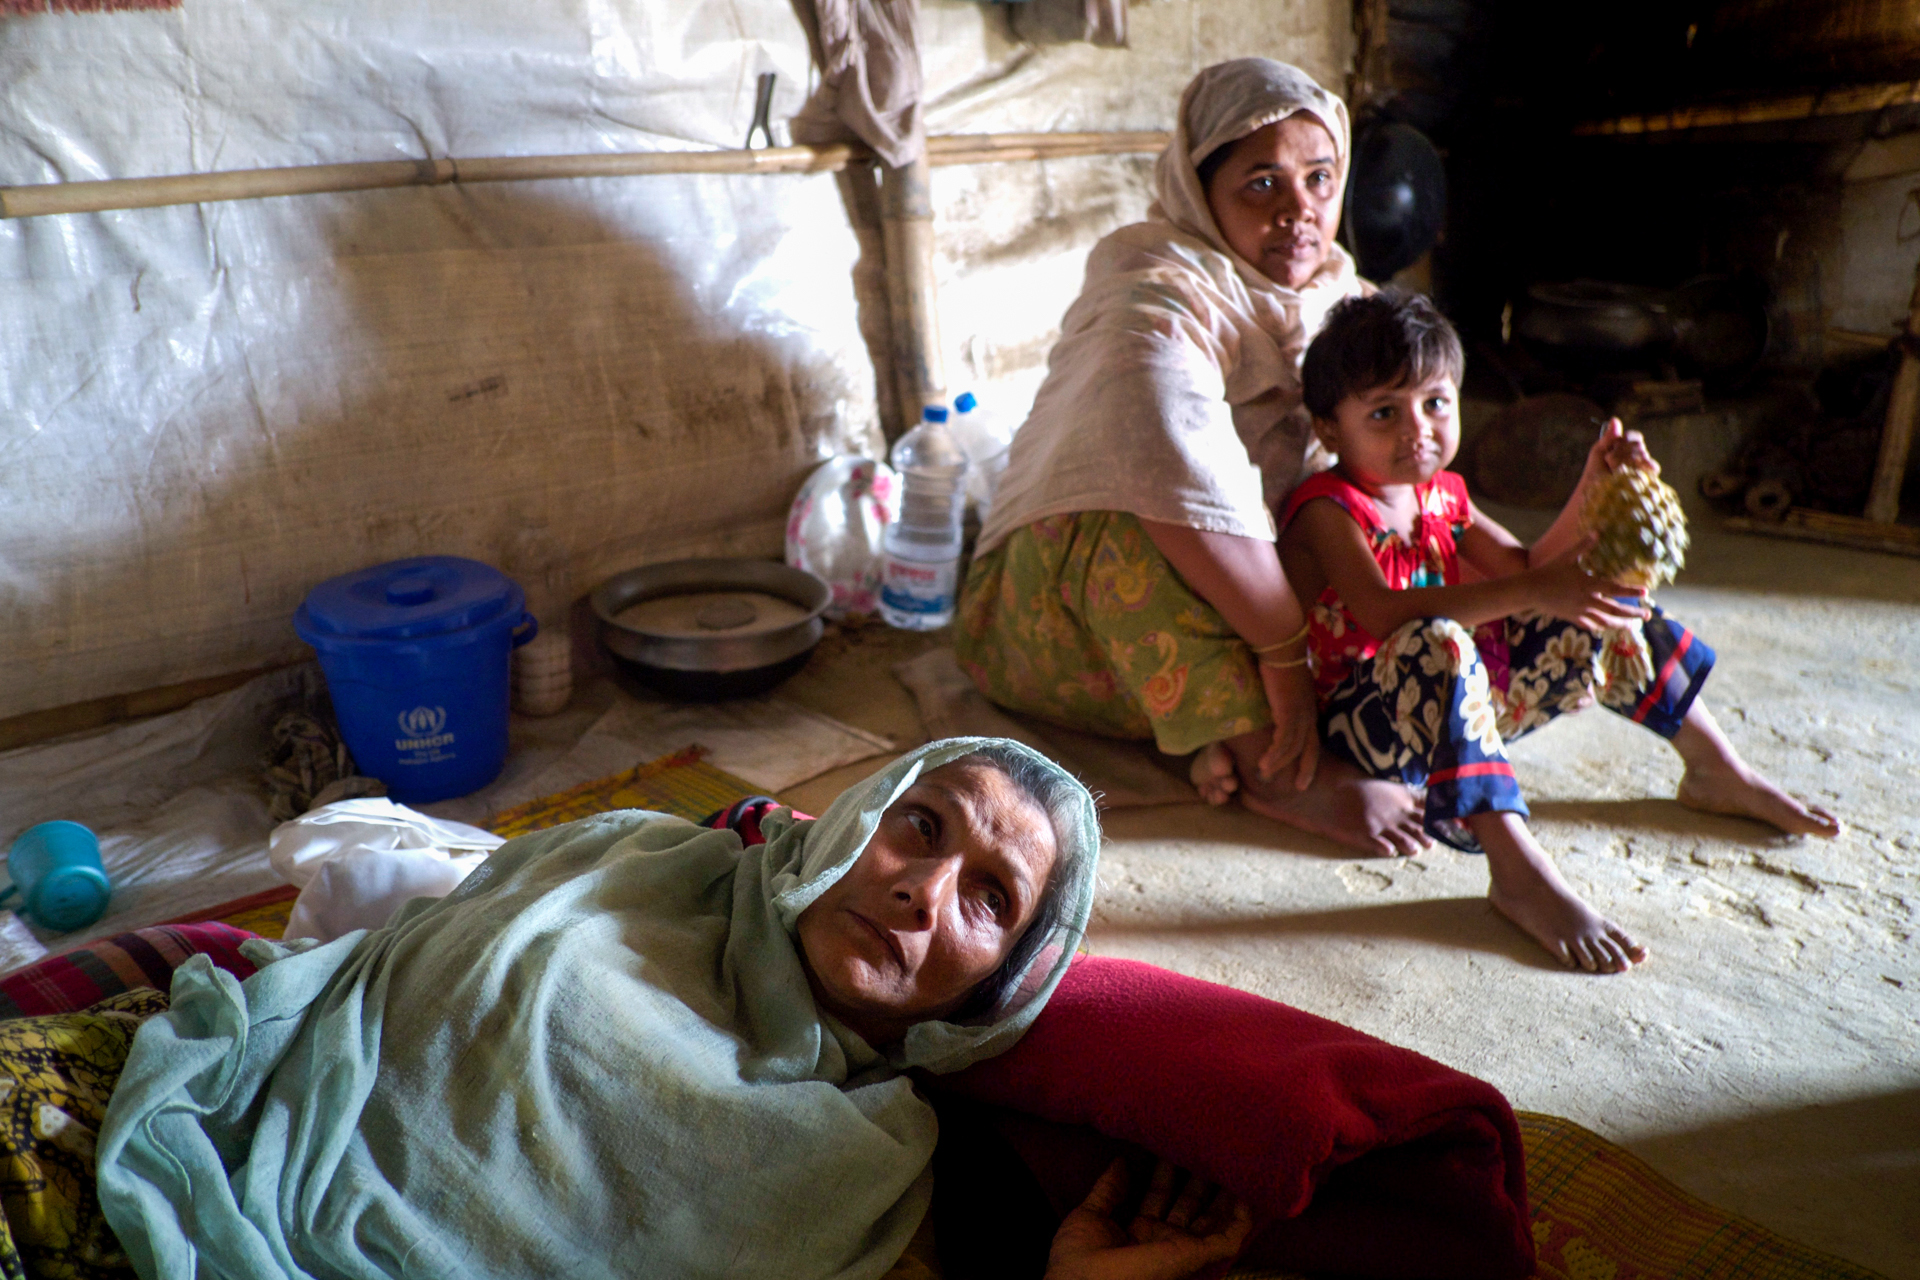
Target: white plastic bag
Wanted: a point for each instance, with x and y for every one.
(358, 861)
(836, 526)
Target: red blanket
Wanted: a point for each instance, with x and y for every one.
(1361, 1157)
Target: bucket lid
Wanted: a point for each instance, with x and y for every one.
(407, 599)
(69, 898)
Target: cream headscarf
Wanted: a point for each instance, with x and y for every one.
(1174, 391)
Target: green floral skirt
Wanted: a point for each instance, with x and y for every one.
(56, 1074)
(1079, 620)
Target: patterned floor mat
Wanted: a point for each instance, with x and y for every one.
(1601, 1213)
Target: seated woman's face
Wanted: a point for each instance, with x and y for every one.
(941, 894)
(1276, 199)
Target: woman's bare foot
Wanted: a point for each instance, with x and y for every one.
(1528, 890)
(1212, 773)
(1717, 780)
(1343, 804)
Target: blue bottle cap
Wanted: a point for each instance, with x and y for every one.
(934, 413)
(966, 403)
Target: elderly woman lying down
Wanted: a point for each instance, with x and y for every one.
(625, 1046)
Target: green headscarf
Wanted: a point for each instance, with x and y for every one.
(599, 1056)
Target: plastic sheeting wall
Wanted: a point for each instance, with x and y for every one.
(204, 410)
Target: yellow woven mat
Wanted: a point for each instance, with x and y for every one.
(268, 919)
(682, 784)
(1601, 1213)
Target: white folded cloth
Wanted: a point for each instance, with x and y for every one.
(358, 861)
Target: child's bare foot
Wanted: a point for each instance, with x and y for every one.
(1745, 794)
(1717, 780)
(1528, 890)
(1343, 804)
(1213, 775)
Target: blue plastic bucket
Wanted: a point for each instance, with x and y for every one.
(55, 868)
(416, 655)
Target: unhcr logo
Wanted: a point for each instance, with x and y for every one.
(422, 729)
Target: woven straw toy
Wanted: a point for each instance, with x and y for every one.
(1643, 532)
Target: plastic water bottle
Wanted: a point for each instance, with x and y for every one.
(985, 441)
(923, 545)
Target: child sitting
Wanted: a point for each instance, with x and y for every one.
(1436, 637)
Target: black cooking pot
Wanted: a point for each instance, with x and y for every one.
(1396, 197)
(1715, 328)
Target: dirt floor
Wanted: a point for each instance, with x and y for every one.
(1767, 1057)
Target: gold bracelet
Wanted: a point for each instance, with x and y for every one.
(1292, 662)
(1277, 645)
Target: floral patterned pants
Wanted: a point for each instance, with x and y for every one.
(1435, 706)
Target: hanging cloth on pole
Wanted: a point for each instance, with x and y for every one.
(870, 82)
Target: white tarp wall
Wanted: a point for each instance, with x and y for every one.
(206, 409)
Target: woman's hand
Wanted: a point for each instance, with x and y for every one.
(1564, 590)
(1197, 1233)
(1296, 724)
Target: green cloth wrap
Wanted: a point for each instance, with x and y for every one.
(1079, 619)
(599, 1056)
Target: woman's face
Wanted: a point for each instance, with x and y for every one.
(947, 885)
(1276, 199)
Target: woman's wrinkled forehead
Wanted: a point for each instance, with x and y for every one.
(994, 808)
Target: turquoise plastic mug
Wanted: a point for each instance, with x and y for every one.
(55, 868)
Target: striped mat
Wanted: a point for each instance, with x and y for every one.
(80, 6)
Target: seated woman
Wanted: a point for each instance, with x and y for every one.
(1126, 580)
(627, 1045)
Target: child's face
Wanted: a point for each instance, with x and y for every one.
(1394, 435)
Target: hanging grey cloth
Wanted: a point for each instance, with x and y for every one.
(1101, 22)
(869, 57)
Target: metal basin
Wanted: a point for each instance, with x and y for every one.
(736, 659)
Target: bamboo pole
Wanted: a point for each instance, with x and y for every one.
(913, 310)
(985, 148)
(1849, 100)
(46, 199)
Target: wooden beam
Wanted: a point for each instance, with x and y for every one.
(1805, 525)
(97, 713)
(47, 199)
(1845, 101)
(1903, 409)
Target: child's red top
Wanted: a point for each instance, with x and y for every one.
(1430, 558)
